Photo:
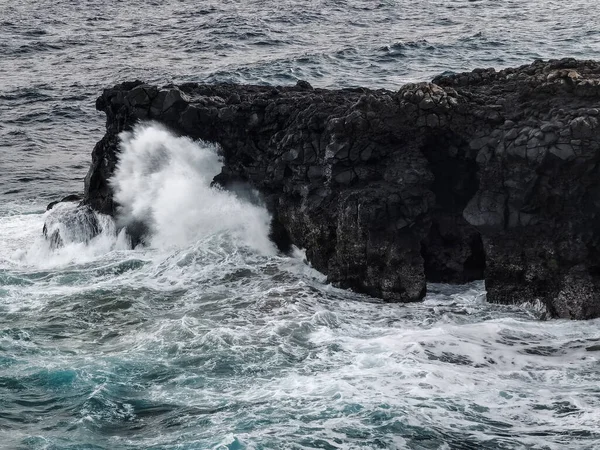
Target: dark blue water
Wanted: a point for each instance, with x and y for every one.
(209, 340)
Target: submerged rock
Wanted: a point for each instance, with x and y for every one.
(67, 216)
(68, 222)
(482, 174)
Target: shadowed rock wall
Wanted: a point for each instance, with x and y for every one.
(483, 174)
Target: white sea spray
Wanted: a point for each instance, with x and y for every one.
(163, 182)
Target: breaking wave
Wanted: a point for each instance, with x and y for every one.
(163, 186)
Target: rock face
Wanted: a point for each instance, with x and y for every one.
(487, 174)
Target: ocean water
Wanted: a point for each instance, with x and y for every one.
(206, 338)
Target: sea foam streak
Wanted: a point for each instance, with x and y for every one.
(164, 182)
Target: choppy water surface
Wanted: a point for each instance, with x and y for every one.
(207, 339)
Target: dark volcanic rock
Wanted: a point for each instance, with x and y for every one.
(68, 198)
(51, 230)
(487, 173)
(67, 222)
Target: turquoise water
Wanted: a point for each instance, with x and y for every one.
(217, 342)
(207, 338)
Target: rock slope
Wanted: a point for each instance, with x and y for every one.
(485, 174)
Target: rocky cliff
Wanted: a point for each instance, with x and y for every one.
(485, 174)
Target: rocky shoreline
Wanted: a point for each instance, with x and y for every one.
(487, 174)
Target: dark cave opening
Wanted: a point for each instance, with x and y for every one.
(453, 251)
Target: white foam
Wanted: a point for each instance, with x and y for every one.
(163, 181)
(80, 243)
(263, 335)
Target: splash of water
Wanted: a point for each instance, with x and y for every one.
(66, 223)
(163, 186)
(72, 234)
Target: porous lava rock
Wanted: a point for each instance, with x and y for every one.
(488, 174)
